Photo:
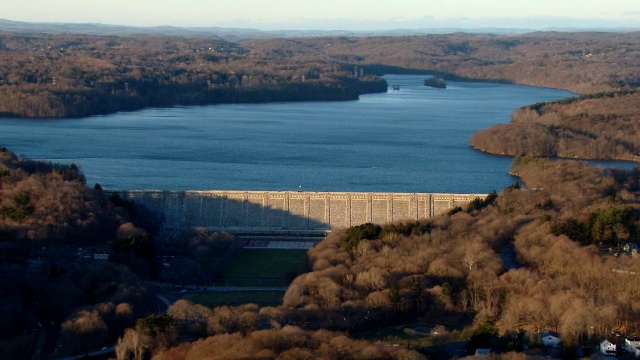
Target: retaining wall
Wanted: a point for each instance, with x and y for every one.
(285, 211)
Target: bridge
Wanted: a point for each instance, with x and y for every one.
(289, 212)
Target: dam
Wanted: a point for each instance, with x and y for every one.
(288, 212)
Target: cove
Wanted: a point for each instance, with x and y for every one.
(414, 139)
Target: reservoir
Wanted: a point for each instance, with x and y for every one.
(414, 139)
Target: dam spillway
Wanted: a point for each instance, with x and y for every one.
(288, 211)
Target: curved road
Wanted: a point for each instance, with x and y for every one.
(509, 258)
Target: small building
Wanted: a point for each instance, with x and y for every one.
(632, 346)
(482, 352)
(629, 247)
(550, 338)
(607, 348)
(100, 256)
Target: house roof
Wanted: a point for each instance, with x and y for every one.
(483, 351)
(550, 333)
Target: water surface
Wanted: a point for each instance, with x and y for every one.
(411, 140)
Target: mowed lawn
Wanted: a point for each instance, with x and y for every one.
(234, 298)
(258, 268)
(266, 264)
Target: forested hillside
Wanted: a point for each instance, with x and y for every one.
(80, 75)
(511, 265)
(51, 292)
(49, 202)
(580, 62)
(69, 75)
(546, 255)
(595, 126)
(455, 271)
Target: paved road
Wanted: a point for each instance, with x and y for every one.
(509, 258)
(216, 288)
(104, 351)
(283, 245)
(243, 288)
(162, 303)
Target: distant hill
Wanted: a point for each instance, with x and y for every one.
(242, 34)
(75, 75)
(231, 34)
(120, 30)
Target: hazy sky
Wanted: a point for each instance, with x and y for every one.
(330, 14)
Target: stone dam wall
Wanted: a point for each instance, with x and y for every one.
(289, 212)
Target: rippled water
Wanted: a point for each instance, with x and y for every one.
(411, 140)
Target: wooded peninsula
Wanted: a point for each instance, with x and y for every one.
(555, 252)
(73, 75)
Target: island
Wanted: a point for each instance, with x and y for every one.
(74, 75)
(435, 82)
(84, 271)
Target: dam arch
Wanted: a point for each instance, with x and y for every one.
(289, 211)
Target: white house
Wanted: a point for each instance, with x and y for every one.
(607, 347)
(100, 256)
(550, 338)
(483, 352)
(632, 346)
(629, 247)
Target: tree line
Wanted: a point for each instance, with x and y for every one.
(51, 223)
(580, 62)
(450, 270)
(71, 75)
(80, 75)
(594, 126)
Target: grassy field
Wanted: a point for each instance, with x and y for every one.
(264, 267)
(394, 332)
(232, 298)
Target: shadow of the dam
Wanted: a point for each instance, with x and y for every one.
(285, 212)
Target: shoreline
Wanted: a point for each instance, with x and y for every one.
(627, 158)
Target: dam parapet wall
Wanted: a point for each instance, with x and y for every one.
(289, 211)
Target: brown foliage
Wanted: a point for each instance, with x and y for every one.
(78, 75)
(72, 75)
(49, 203)
(581, 62)
(46, 214)
(453, 267)
(286, 343)
(598, 126)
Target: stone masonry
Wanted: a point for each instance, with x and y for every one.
(288, 211)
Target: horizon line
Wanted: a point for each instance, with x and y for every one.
(271, 29)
